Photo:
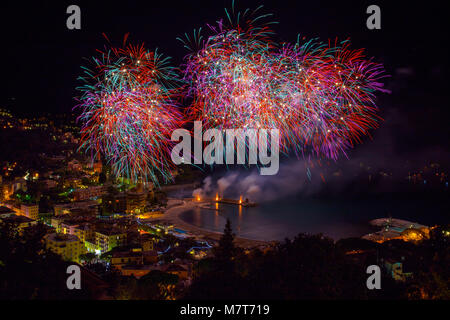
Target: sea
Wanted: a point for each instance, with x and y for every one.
(335, 217)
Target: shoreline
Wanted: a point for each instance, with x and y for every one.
(172, 216)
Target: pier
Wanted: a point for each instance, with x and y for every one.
(238, 202)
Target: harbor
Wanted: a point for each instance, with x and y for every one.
(397, 229)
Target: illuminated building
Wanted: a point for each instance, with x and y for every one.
(106, 240)
(136, 201)
(178, 270)
(74, 165)
(120, 259)
(68, 227)
(30, 210)
(84, 232)
(91, 246)
(147, 242)
(89, 207)
(88, 193)
(136, 270)
(97, 166)
(68, 246)
(412, 234)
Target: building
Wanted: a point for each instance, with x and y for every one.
(137, 270)
(198, 253)
(49, 183)
(88, 193)
(6, 191)
(136, 201)
(30, 210)
(91, 246)
(19, 184)
(97, 166)
(120, 259)
(84, 232)
(150, 256)
(147, 242)
(19, 223)
(56, 223)
(414, 235)
(68, 246)
(107, 239)
(114, 203)
(74, 165)
(68, 227)
(89, 207)
(179, 270)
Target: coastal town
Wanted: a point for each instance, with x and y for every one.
(109, 224)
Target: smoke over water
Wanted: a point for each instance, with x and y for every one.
(381, 164)
(303, 178)
(291, 179)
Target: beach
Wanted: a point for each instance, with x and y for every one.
(175, 207)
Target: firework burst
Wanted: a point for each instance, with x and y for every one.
(320, 96)
(328, 94)
(129, 112)
(230, 74)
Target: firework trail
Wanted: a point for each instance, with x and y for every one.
(129, 112)
(328, 95)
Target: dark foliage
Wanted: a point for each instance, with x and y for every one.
(28, 271)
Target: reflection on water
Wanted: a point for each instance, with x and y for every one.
(216, 217)
(334, 218)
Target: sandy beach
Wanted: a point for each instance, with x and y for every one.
(172, 216)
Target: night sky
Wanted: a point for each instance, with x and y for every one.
(42, 58)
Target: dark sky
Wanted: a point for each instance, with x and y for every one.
(42, 58)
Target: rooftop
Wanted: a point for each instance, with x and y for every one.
(17, 219)
(110, 232)
(5, 210)
(61, 237)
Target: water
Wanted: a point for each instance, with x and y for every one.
(179, 230)
(333, 217)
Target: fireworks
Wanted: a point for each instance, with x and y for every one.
(230, 76)
(320, 97)
(327, 95)
(129, 112)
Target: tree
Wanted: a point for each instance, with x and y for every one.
(156, 285)
(29, 271)
(225, 251)
(308, 267)
(87, 257)
(102, 178)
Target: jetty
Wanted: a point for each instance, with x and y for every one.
(238, 202)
